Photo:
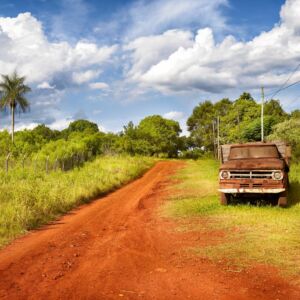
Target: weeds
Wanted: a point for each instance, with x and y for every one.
(29, 199)
(262, 234)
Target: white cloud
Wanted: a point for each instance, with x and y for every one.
(174, 115)
(290, 13)
(179, 117)
(20, 127)
(86, 76)
(60, 124)
(25, 46)
(149, 50)
(45, 85)
(99, 86)
(148, 17)
(213, 67)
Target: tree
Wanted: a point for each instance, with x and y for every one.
(273, 108)
(45, 132)
(295, 114)
(251, 131)
(288, 131)
(82, 126)
(161, 135)
(13, 96)
(200, 124)
(239, 120)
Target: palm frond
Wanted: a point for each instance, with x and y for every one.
(23, 103)
(13, 89)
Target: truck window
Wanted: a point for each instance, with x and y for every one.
(253, 152)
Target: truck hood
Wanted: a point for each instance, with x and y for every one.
(254, 164)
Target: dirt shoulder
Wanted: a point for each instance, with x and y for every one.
(118, 247)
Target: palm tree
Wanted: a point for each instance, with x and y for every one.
(13, 90)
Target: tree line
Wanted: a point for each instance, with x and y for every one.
(240, 122)
(154, 135)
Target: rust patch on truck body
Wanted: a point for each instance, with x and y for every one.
(254, 168)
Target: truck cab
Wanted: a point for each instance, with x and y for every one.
(254, 169)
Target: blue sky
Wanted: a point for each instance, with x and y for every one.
(116, 61)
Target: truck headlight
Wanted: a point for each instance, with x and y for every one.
(277, 175)
(224, 174)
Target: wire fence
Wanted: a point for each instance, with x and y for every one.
(46, 164)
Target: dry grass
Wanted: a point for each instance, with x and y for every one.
(29, 199)
(261, 234)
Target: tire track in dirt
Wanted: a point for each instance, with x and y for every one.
(118, 247)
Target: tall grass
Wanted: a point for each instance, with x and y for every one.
(31, 198)
(261, 234)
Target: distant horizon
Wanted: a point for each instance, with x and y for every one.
(102, 129)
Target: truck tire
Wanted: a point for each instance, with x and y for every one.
(224, 199)
(282, 199)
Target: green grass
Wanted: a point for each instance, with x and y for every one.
(253, 234)
(29, 199)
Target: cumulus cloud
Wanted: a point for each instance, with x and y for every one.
(45, 85)
(23, 126)
(149, 50)
(214, 67)
(174, 115)
(61, 124)
(25, 47)
(86, 76)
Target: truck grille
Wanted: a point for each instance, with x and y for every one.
(251, 174)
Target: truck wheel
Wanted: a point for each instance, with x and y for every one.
(224, 199)
(282, 199)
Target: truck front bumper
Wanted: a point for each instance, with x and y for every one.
(251, 190)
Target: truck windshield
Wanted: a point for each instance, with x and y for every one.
(254, 152)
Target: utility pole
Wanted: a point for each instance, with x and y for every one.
(214, 138)
(262, 113)
(218, 140)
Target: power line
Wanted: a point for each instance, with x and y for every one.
(262, 113)
(283, 86)
(294, 83)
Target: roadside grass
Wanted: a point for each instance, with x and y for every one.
(29, 199)
(253, 234)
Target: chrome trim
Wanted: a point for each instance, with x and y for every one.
(251, 174)
(252, 191)
(273, 175)
(221, 177)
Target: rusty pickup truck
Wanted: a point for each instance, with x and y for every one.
(254, 169)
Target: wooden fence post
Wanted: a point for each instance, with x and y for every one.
(7, 162)
(23, 161)
(63, 164)
(47, 164)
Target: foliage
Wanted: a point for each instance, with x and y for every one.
(194, 153)
(31, 198)
(239, 120)
(161, 133)
(45, 132)
(157, 136)
(154, 135)
(85, 126)
(13, 91)
(295, 114)
(201, 126)
(252, 130)
(288, 131)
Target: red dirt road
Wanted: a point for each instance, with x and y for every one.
(119, 248)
